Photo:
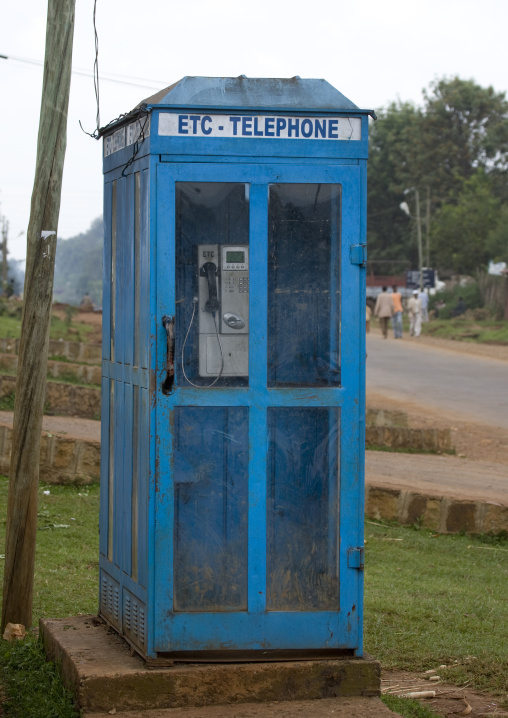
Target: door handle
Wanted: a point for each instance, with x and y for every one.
(168, 323)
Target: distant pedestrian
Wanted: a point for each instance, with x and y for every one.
(424, 299)
(459, 308)
(397, 313)
(415, 314)
(384, 310)
(368, 314)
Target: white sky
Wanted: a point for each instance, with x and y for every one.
(373, 51)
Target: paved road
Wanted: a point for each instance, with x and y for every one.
(476, 388)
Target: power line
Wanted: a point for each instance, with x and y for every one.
(108, 77)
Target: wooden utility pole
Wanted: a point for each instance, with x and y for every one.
(5, 232)
(38, 292)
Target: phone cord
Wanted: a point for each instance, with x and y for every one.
(201, 386)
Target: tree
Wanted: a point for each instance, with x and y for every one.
(460, 129)
(391, 156)
(460, 229)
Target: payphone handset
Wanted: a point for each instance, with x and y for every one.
(223, 310)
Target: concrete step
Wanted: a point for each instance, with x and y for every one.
(106, 677)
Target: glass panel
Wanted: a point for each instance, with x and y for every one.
(212, 284)
(303, 509)
(304, 285)
(211, 503)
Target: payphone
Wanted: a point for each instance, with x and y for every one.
(223, 306)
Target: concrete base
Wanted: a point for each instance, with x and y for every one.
(101, 670)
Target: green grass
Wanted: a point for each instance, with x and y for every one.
(408, 707)
(67, 554)
(486, 331)
(406, 450)
(7, 402)
(432, 600)
(32, 686)
(65, 584)
(429, 599)
(10, 327)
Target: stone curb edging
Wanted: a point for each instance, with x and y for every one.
(77, 351)
(65, 371)
(74, 461)
(62, 399)
(438, 513)
(403, 437)
(62, 461)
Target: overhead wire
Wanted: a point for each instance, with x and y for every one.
(107, 77)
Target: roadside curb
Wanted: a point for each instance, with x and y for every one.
(77, 461)
(438, 513)
(62, 461)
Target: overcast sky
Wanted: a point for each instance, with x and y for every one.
(373, 51)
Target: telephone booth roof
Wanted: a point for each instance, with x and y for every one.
(247, 93)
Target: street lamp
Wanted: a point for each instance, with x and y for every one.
(405, 208)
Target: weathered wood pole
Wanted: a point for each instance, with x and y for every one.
(38, 292)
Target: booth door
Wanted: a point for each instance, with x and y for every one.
(259, 492)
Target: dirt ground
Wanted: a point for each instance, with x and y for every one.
(449, 700)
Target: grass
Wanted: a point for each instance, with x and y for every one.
(487, 331)
(65, 584)
(429, 599)
(67, 555)
(32, 686)
(408, 707)
(407, 450)
(10, 327)
(7, 402)
(432, 599)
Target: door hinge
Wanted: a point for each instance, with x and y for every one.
(358, 254)
(356, 557)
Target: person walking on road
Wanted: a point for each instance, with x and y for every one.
(415, 314)
(384, 310)
(397, 313)
(424, 299)
(368, 314)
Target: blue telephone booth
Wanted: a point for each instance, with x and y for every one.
(232, 489)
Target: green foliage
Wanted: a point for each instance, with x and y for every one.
(78, 266)
(7, 402)
(33, 687)
(460, 227)
(496, 242)
(470, 293)
(464, 329)
(408, 707)
(454, 150)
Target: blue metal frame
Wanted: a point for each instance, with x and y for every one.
(257, 628)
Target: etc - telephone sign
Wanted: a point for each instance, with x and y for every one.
(260, 126)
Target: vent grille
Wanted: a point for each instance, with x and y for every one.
(110, 599)
(134, 619)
